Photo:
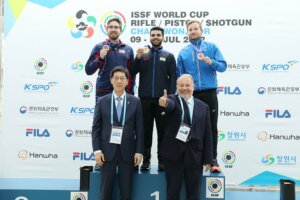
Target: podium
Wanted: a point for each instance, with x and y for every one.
(151, 185)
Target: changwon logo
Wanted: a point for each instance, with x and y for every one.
(77, 66)
(268, 159)
(82, 25)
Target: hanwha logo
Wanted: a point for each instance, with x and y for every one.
(214, 185)
(23, 154)
(21, 198)
(78, 196)
(262, 136)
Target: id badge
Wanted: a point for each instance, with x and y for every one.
(183, 132)
(116, 135)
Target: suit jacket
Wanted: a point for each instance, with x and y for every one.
(133, 136)
(199, 147)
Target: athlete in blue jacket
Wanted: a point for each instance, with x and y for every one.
(203, 60)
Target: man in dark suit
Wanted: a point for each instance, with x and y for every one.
(117, 135)
(187, 142)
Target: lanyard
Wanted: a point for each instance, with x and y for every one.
(181, 105)
(112, 109)
(198, 50)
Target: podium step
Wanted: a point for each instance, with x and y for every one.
(152, 185)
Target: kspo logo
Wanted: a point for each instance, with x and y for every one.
(229, 90)
(278, 67)
(82, 110)
(39, 87)
(277, 114)
(83, 156)
(37, 132)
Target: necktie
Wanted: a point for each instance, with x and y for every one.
(186, 112)
(190, 110)
(119, 107)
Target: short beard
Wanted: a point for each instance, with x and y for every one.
(156, 46)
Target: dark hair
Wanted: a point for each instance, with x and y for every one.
(189, 22)
(116, 19)
(158, 28)
(119, 69)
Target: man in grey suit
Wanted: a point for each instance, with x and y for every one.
(117, 136)
(187, 143)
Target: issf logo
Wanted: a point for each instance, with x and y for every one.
(268, 159)
(21, 198)
(214, 185)
(40, 65)
(79, 195)
(107, 16)
(82, 24)
(228, 157)
(86, 88)
(275, 113)
(229, 90)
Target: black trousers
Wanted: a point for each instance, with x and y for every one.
(108, 173)
(210, 98)
(152, 111)
(179, 170)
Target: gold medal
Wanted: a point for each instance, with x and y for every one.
(146, 50)
(106, 47)
(200, 56)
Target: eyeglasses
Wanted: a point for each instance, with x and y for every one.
(113, 27)
(121, 78)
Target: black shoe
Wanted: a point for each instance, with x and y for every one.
(215, 168)
(161, 167)
(97, 167)
(145, 166)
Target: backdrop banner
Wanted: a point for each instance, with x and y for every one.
(48, 100)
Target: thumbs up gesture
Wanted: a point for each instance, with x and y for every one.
(164, 99)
